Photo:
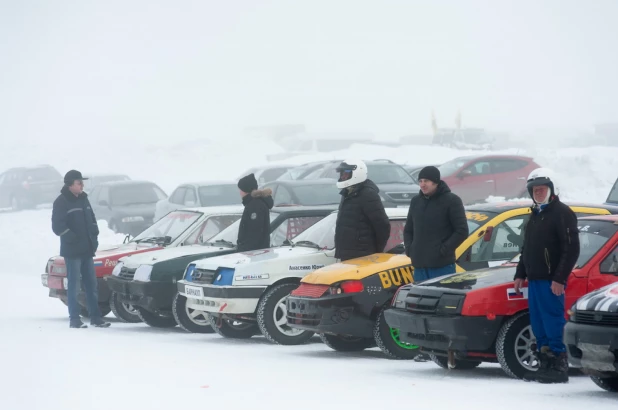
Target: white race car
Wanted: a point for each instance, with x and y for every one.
(245, 293)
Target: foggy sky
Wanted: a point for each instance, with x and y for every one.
(81, 71)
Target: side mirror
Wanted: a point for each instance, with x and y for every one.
(465, 173)
(103, 202)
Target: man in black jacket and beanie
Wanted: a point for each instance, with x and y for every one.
(435, 227)
(254, 229)
(548, 255)
(74, 222)
(362, 226)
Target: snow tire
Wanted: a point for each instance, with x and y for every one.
(342, 344)
(121, 312)
(606, 383)
(179, 310)
(230, 331)
(386, 339)
(154, 320)
(505, 345)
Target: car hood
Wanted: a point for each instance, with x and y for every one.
(470, 281)
(259, 256)
(150, 258)
(604, 299)
(357, 269)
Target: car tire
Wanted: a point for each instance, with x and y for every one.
(231, 331)
(459, 364)
(184, 319)
(347, 344)
(388, 341)
(272, 317)
(123, 311)
(606, 383)
(154, 320)
(515, 336)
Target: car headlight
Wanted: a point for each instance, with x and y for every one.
(133, 219)
(188, 272)
(572, 310)
(142, 273)
(117, 269)
(399, 300)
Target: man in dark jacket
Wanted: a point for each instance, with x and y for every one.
(74, 222)
(362, 226)
(435, 227)
(548, 255)
(254, 229)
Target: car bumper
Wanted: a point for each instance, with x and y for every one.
(592, 347)
(221, 299)
(439, 334)
(152, 296)
(103, 291)
(335, 314)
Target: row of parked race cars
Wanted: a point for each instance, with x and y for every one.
(184, 271)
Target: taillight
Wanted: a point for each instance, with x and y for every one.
(352, 286)
(488, 232)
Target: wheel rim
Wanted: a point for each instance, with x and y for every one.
(523, 349)
(398, 342)
(280, 315)
(129, 308)
(196, 316)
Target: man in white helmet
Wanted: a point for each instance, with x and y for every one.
(548, 255)
(362, 228)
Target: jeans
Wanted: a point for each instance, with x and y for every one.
(546, 315)
(84, 268)
(421, 274)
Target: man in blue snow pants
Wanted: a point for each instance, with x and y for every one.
(549, 253)
(74, 222)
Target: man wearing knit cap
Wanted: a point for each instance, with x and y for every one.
(435, 227)
(254, 229)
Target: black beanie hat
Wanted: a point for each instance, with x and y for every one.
(248, 183)
(431, 173)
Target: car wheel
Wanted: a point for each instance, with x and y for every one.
(191, 320)
(388, 340)
(155, 320)
(14, 204)
(342, 343)
(125, 312)
(459, 364)
(606, 383)
(232, 329)
(103, 308)
(514, 347)
(272, 317)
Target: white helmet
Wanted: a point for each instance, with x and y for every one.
(543, 176)
(351, 172)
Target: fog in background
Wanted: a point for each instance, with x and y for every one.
(91, 72)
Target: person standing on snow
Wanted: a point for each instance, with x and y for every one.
(74, 222)
(436, 225)
(362, 226)
(254, 229)
(548, 255)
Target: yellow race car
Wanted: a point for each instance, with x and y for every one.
(344, 302)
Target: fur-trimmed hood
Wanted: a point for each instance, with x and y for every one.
(262, 193)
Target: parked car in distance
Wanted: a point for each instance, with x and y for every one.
(304, 192)
(199, 194)
(27, 187)
(303, 170)
(474, 178)
(98, 179)
(127, 206)
(267, 173)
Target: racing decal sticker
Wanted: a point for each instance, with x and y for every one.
(601, 300)
(396, 277)
(252, 277)
(98, 263)
(462, 277)
(253, 215)
(296, 268)
(109, 263)
(476, 216)
(512, 295)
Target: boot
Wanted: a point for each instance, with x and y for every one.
(543, 359)
(558, 371)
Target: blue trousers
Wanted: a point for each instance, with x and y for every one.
(546, 315)
(421, 274)
(84, 268)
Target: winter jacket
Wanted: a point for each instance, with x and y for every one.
(254, 229)
(435, 227)
(362, 226)
(74, 222)
(551, 244)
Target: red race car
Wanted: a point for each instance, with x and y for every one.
(467, 318)
(177, 228)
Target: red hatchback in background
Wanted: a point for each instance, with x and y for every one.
(474, 178)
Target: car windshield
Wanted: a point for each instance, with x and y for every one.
(135, 194)
(173, 225)
(42, 174)
(449, 168)
(229, 235)
(592, 236)
(317, 194)
(321, 233)
(388, 174)
(218, 195)
(475, 219)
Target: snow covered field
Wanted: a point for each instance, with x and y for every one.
(46, 365)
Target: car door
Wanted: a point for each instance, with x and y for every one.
(510, 177)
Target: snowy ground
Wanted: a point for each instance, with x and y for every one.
(46, 365)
